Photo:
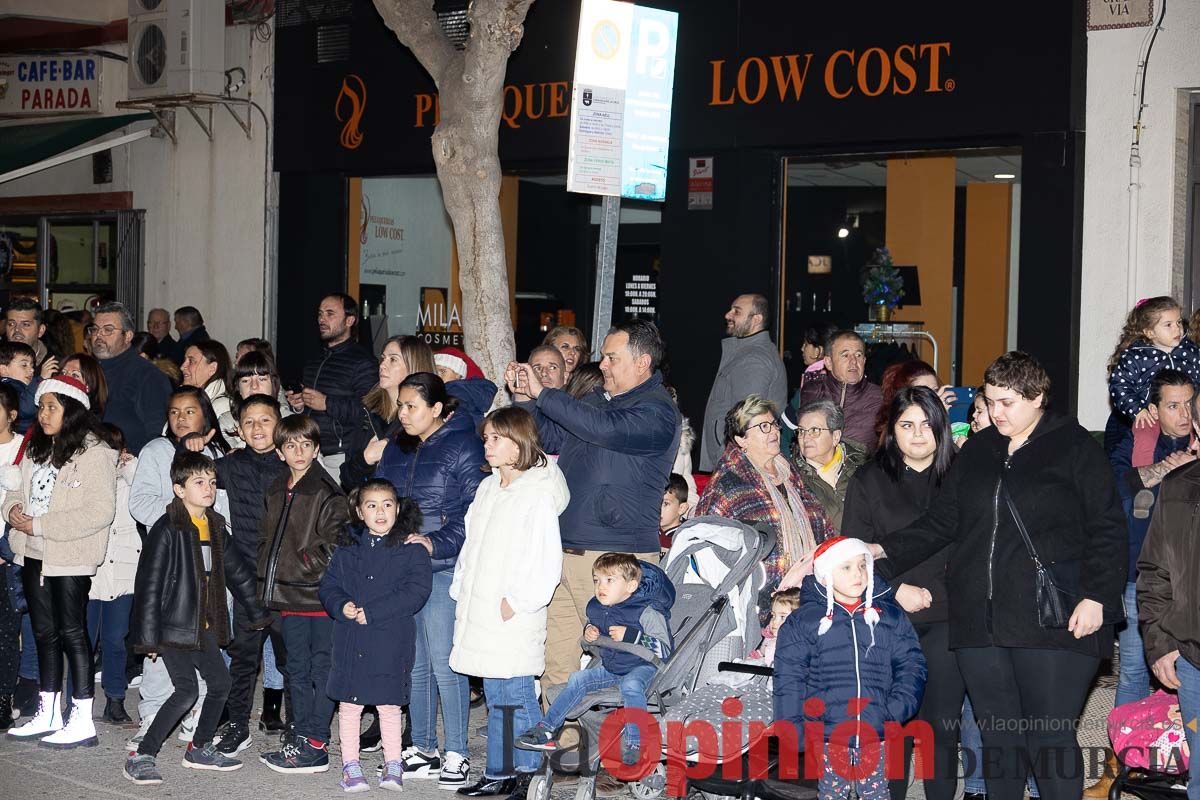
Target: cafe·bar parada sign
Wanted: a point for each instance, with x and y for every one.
(32, 86)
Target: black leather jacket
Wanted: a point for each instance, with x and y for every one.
(173, 599)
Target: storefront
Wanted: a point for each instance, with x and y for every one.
(893, 122)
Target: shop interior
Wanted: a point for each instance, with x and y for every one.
(64, 261)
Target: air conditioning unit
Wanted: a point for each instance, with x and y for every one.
(176, 47)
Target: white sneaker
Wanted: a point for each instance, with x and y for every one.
(80, 730)
(136, 682)
(455, 771)
(418, 764)
(187, 727)
(143, 729)
(47, 720)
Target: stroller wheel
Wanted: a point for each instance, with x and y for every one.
(650, 787)
(539, 788)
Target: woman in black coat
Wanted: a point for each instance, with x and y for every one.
(884, 496)
(1027, 683)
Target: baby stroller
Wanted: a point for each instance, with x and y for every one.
(715, 567)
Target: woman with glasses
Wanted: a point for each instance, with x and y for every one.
(754, 483)
(884, 496)
(824, 460)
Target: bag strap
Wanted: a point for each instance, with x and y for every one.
(1016, 515)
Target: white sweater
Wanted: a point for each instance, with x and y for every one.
(115, 576)
(512, 551)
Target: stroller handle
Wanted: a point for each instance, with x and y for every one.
(605, 642)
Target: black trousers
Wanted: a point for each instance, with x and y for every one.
(941, 707)
(182, 666)
(10, 636)
(245, 657)
(58, 612)
(1027, 702)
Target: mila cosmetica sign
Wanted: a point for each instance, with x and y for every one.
(49, 85)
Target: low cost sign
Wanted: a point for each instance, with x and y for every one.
(621, 100)
(49, 86)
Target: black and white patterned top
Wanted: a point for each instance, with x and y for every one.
(1129, 383)
(41, 487)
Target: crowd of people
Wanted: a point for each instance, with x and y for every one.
(388, 530)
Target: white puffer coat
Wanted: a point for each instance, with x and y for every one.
(115, 576)
(512, 552)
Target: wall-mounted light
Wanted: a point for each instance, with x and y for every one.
(1004, 176)
(843, 232)
(851, 222)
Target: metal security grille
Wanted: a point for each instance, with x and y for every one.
(130, 260)
(303, 12)
(333, 43)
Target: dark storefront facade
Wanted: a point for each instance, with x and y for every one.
(759, 84)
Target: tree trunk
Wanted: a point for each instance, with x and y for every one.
(465, 149)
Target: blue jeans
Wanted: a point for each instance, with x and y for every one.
(512, 709)
(272, 677)
(1189, 709)
(108, 623)
(633, 694)
(29, 663)
(972, 742)
(432, 677)
(1133, 682)
(309, 642)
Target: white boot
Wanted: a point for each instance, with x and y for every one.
(80, 730)
(47, 720)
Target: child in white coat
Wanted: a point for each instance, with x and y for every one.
(506, 574)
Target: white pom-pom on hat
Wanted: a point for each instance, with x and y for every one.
(831, 554)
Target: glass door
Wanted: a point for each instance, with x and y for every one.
(77, 258)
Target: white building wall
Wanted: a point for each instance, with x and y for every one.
(1107, 268)
(204, 200)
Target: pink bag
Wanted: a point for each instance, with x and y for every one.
(1149, 734)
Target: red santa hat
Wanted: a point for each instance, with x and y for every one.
(831, 554)
(457, 362)
(64, 386)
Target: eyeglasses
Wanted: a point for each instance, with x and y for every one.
(765, 427)
(107, 330)
(805, 433)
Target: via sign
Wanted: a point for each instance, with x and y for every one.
(49, 85)
(621, 100)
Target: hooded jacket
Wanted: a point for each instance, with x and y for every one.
(616, 454)
(512, 552)
(246, 476)
(475, 398)
(1129, 382)
(860, 403)
(1063, 488)
(372, 663)
(749, 365)
(646, 616)
(441, 474)
(173, 598)
(299, 532)
(885, 666)
(344, 373)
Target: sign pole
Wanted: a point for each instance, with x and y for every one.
(606, 269)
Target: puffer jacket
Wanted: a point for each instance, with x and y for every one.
(616, 454)
(512, 552)
(1129, 382)
(117, 572)
(646, 616)
(298, 535)
(832, 498)
(475, 397)
(83, 505)
(884, 666)
(246, 476)
(344, 373)
(860, 403)
(1168, 578)
(1063, 488)
(372, 663)
(441, 474)
(355, 470)
(174, 600)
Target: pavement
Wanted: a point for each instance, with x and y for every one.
(29, 772)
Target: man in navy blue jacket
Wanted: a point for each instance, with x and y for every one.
(137, 390)
(1171, 396)
(615, 447)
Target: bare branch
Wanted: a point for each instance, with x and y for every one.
(416, 26)
(497, 27)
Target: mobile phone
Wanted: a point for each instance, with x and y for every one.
(960, 409)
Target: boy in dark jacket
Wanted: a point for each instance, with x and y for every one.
(246, 474)
(180, 613)
(17, 370)
(632, 605)
(849, 647)
(305, 514)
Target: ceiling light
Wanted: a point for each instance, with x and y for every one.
(843, 232)
(1004, 176)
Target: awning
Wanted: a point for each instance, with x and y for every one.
(24, 147)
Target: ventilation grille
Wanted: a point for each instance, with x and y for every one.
(289, 13)
(455, 25)
(333, 43)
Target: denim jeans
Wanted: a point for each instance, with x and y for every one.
(1133, 682)
(1189, 709)
(309, 642)
(108, 623)
(432, 677)
(971, 742)
(29, 663)
(633, 694)
(512, 709)
(272, 677)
